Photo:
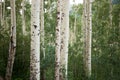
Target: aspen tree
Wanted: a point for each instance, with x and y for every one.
(35, 41)
(12, 46)
(64, 40)
(87, 23)
(58, 40)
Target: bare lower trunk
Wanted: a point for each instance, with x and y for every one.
(57, 42)
(64, 40)
(87, 36)
(35, 41)
(12, 46)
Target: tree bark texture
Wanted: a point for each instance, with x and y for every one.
(58, 40)
(87, 23)
(64, 40)
(35, 41)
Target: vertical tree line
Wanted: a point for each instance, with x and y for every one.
(12, 45)
(35, 41)
(87, 24)
(62, 37)
(39, 40)
(58, 40)
(64, 40)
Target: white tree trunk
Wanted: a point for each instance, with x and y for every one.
(58, 40)
(88, 36)
(12, 46)
(35, 41)
(42, 27)
(64, 40)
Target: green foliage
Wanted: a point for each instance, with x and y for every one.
(105, 43)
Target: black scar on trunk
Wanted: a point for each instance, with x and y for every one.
(57, 29)
(11, 39)
(35, 26)
(58, 12)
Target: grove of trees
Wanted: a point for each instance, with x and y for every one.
(57, 40)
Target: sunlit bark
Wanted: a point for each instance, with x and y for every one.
(87, 23)
(35, 41)
(64, 40)
(57, 42)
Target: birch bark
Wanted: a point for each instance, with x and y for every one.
(64, 40)
(58, 40)
(35, 41)
(88, 36)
